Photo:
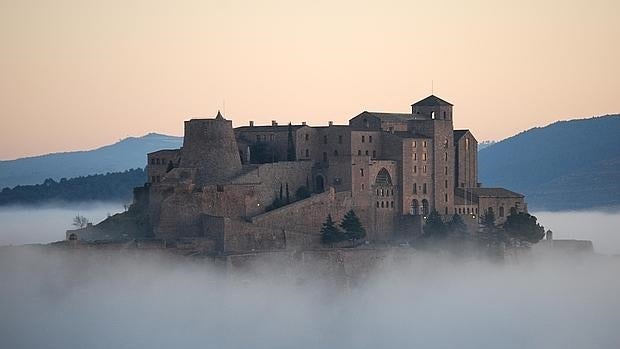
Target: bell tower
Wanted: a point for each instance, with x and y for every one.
(432, 108)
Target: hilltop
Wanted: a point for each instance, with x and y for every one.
(566, 165)
(123, 155)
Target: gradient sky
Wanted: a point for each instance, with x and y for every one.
(80, 74)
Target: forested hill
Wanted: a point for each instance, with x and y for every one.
(566, 165)
(102, 187)
(123, 155)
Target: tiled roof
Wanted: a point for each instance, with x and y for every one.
(391, 116)
(488, 192)
(431, 101)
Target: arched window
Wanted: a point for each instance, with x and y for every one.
(425, 208)
(501, 211)
(383, 178)
(415, 207)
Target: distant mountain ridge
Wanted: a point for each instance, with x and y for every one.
(123, 155)
(571, 164)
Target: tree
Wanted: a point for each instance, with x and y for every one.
(302, 193)
(523, 226)
(80, 221)
(352, 226)
(457, 226)
(330, 232)
(290, 149)
(434, 226)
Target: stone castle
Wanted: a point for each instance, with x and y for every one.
(265, 188)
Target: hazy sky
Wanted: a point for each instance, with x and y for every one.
(80, 74)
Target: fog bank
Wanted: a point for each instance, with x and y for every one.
(601, 227)
(52, 299)
(47, 223)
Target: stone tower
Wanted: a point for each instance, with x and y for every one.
(210, 146)
(438, 113)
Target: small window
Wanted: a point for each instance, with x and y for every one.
(444, 114)
(432, 115)
(424, 188)
(382, 192)
(415, 156)
(392, 191)
(446, 156)
(374, 153)
(307, 136)
(415, 188)
(423, 156)
(363, 139)
(446, 209)
(415, 169)
(324, 139)
(377, 192)
(377, 204)
(468, 210)
(446, 195)
(424, 144)
(157, 161)
(414, 144)
(362, 172)
(424, 169)
(501, 211)
(392, 204)
(366, 152)
(307, 153)
(271, 137)
(446, 170)
(359, 153)
(446, 183)
(369, 139)
(382, 204)
(339, 139)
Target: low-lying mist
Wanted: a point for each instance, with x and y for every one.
(48, 223)
(52, 298)
(600, 227)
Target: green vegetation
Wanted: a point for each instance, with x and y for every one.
(523, 226)
(330, 232)
(116, 186)
(353, 229)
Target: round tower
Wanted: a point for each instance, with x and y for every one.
(210, 146)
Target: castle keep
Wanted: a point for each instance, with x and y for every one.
(271, 187)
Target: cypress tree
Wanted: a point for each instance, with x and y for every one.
(352, 226)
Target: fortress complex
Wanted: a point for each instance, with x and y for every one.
(255, 188)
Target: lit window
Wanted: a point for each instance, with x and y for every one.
(424, 144)
(423, 156)
(414, 144)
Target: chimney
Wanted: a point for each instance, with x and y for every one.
(330, 123)
(274, 123)
(251, 123)
(303, 123)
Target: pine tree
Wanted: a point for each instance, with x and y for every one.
(523, 226)
(352, 226)
(330, 232)
(457, 226)
(434, 226)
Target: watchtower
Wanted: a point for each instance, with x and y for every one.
(210, 146)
